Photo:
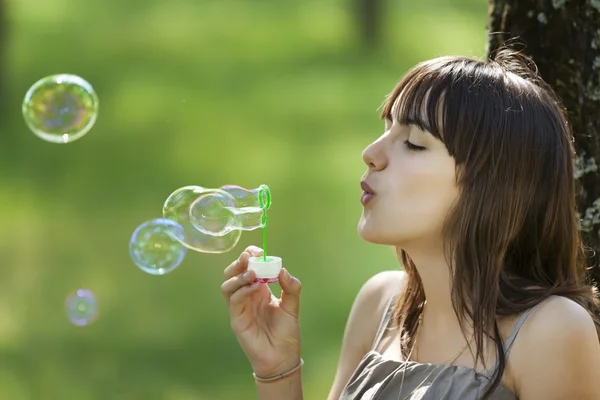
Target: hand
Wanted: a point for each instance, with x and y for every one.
(266, 327)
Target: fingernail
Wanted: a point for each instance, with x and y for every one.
(246, 275)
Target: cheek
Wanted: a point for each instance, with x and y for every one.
(425, 191)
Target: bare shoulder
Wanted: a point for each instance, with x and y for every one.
(557, 353)
(556, 311)
(381, 287)
(373, 298)
(363, 321)
(559, 320)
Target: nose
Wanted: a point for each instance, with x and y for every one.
(374, 155)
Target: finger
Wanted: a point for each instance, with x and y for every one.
(237, 267)
(238, 300)
(241, 264)
(290, 292)
(230, 286)
(254, 251)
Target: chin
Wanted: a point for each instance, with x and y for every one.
(370, 231)
(372, 235)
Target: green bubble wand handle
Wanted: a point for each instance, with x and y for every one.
(264, 220)
(264, 202)
(266, 268)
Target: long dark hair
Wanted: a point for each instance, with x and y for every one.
(512, 239)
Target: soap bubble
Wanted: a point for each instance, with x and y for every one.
(259, 197)
(212, 214)
(230, 208)
(60, 108)
(82, 308)
(155, 246)
(177, 208)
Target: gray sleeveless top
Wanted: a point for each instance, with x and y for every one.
(377, 378)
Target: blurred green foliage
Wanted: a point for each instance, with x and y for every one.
(191, 92)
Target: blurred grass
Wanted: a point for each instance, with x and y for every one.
(191, 92)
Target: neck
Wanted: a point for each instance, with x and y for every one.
(434, 272)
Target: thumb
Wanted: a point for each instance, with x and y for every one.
(290, 293)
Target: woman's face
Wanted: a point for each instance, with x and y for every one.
(413, 179)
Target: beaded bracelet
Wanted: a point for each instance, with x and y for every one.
(282, 375)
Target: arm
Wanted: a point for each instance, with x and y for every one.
(561, 354)
(290, 385)
(362, 324)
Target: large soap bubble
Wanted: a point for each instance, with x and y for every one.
(177, 208)
(217, 213)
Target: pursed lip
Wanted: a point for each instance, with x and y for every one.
(366, 188)
(367, 194)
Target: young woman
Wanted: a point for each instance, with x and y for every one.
(473, 182)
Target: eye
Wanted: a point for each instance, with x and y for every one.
(413, 147)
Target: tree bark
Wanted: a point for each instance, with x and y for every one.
(563, 39)
(3, 42)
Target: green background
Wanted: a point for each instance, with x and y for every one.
(192, 92)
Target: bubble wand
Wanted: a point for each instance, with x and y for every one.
(266, 269)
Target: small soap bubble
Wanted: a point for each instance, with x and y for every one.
(60, 108)
(177, 208)
(156, 247)
(82, 308)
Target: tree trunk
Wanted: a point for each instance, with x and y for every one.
(563, 39)
(368, 15)
(3, 34)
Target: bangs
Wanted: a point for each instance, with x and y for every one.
(417, 100)
(452, 98)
